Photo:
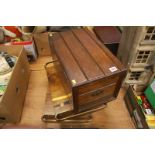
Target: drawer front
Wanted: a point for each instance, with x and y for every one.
(97, 84)
(97, 94)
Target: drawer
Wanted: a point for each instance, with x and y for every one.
(97, 94)
(98, 84)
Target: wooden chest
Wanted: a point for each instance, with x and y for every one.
(92, 74)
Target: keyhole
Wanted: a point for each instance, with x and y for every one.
(17, 90)
(2, 118)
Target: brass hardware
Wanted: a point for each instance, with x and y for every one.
(45, 118)
(61, 97)
(98, 92)
(73, 82)
(78, 114)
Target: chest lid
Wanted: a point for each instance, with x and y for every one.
(83, 57)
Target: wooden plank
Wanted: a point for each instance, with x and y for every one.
(95, 51)
(108, 34)
(106, 50)
(67, 60)
(82, 57)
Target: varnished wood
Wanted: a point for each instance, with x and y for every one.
(112, 117)
(108, 34)
(97, 84)
(98, 54)
(66, 58)
(83, 59)
(88, 68)
(97, 94)
(115, 60)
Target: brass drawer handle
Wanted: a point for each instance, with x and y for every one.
(97, 92)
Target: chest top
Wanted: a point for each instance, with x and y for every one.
(83, 57)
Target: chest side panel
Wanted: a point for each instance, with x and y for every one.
(68, 62)
(86, 63)
(106, 50)
(97, 53)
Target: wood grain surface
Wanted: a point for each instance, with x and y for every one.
(85, 63)
(114, 116)
(82, 57)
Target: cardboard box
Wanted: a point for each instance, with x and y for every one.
(42, 44)
(11, 103)
(29, 48)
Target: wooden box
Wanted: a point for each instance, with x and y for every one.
(92, 75)
(134, 109)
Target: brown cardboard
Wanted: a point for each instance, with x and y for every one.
(42, 44)
(11, 104)
(29, 47)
